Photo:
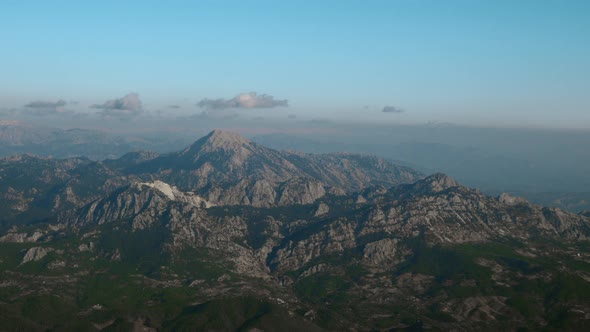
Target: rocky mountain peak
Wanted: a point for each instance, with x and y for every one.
(222, 139)
(438, 182)
(226, 142)
(511, 200)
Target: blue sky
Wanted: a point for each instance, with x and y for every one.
(516, 63)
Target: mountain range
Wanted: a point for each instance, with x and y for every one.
(228, 234)
(17, 137)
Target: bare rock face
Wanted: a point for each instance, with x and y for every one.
(352, 172)
(457, 214)
(511, 200)
(300, 191)
(86, 247)
(262, 193)
(21, 237)
(380, 252)
(35, 254)
(227, 141)
(481, 308)
(360, 199)
(322, 209)
(174, 194)
(436, 183)
(333, 239)
(565, 224)
(314, 270)
(142, 202)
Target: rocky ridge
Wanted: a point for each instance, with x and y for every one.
(437, 209)
(223, 168)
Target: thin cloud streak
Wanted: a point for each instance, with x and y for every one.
(392, 109)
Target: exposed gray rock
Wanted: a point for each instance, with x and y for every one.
(333, 239)
(223, 278)
(196, 282)
(86, 247)
(313, 270)
(301, 191)
(35, 254)
(380, 252)
(21, 237)
(511, 200)
(58, 264)
(360, 199)
(322, 209)
(174, 194)
(115, 256)
(439, 182)
(480, 308)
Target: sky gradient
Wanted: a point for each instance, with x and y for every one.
(501, 63)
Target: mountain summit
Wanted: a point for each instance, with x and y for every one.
(224, 139)
(436, 183)
(228, 150)
(219, 140)
(227, 168)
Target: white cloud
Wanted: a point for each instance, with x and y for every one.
(243, 100)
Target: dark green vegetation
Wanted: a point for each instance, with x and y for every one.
(436, 284)
(132, 281)
(137, 287)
